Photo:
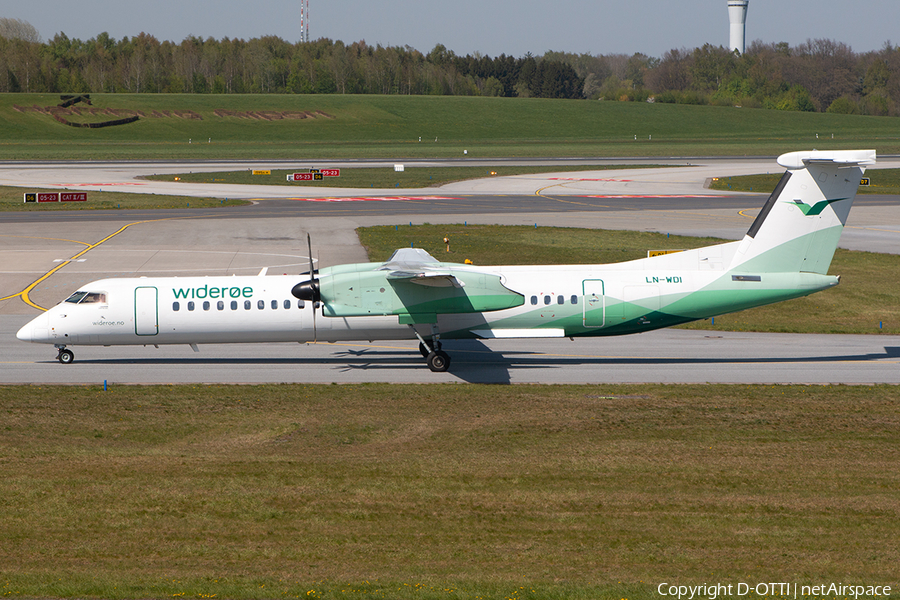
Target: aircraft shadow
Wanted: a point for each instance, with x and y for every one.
(472, 361)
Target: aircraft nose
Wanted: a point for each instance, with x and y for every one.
(24, 334)
(35, 330)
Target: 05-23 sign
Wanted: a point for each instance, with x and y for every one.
(314, 175)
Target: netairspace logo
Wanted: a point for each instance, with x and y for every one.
(778, 589)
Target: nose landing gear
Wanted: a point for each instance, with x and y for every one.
(65, 356)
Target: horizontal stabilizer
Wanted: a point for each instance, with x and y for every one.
(800, 160)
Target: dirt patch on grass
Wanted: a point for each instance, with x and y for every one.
(270, 115)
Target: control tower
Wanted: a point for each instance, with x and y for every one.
(737, 15)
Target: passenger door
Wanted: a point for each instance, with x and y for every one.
(146, 311)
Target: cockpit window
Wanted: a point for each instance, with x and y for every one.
(93, 297)
(87, 298)
(76, 297)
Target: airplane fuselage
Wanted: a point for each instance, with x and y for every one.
(785, 254)
(556, 301)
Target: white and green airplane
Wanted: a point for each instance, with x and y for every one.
(785, 254)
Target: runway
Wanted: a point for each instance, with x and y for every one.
(271, 233)
(664, 356)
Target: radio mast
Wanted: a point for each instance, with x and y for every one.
(304, 20)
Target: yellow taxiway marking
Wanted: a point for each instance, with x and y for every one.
(24, 293)
(871, 228)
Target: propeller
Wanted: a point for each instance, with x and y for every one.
(309, 290)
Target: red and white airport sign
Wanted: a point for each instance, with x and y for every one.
(314, 175)
(55, 197)
(73, 196)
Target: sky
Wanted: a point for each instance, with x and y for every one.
(491, 27)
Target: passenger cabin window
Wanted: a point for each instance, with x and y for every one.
(220, 305)
(574, 299)
(261, 304)
(534, 300)
(274, 304)
(176, 306)
(191, 305)
(206, 305)
(287, 303)
(234, 305)
(560, 299)
(546, 299)
(247, 305)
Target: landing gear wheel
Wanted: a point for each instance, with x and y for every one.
(425, 350)
(438, 361)
(65, 356)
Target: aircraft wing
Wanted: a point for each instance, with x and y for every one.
(416, 287)
(417, 266)
(427, 278)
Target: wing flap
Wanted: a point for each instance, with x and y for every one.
(428, 278)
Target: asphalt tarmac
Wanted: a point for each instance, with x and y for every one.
(271, 233)
(664, 356)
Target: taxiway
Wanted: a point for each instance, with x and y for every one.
(271, 233)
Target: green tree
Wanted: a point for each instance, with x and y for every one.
(843, 106)
(877, 77)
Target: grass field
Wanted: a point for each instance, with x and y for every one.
(883, 181)
(865, 299)
(392, 126)
(11, 199)
(457, 492)
(380, 491)
(410, 177)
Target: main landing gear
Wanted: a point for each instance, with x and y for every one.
(65, 356)
(437, 360)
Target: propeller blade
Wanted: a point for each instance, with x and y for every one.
(312, 272)
(308, 290)
(314, 286)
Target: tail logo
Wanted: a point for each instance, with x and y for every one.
(815, 209)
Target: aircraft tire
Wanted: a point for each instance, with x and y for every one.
(66, 357)
(438, 361)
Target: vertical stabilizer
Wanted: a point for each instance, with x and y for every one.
(799, 227)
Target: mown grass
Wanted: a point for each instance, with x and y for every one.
(12, 199)
(381, 491)
(380, 177)
(883, 181)
(864, 302)
(392, 126)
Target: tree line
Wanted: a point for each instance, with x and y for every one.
(143, 64)
(819, 75)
